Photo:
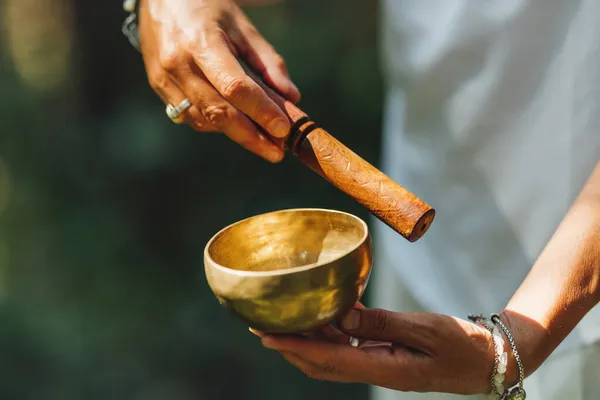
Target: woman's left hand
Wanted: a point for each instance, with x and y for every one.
(416, 352)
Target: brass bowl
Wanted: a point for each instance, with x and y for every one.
(290, 271)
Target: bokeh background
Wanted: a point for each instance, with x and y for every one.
(105, 205)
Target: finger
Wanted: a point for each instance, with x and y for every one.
(170, 93)
(228, 77)
(315, 334)
(164, 86)
(311, 370)
(256, 332)
(411, 329)
(334, 357)
(329, 334)
(226, 118)
(332, 335)
(378, 365)
(263, 59)
(320, 358)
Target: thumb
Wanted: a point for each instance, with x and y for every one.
(382, 325)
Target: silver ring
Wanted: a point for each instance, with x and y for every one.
(175, 112)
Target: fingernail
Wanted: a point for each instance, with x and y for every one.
(279, 128)
(351, 321)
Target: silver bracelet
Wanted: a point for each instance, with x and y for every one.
(130, 26)
(500, 357)
(518, 392)
(495, 325)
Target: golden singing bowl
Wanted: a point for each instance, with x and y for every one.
(290, 271)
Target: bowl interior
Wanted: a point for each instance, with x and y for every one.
(287, 239)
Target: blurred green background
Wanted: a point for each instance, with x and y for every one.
(105, 205)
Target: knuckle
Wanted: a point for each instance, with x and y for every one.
(198, 125)
(192, 41)
(198, 45)
(279, 62)
(158, 81)
(234, 89)
(380, 321)
(261, 114)
(169, 60)
(216, 115)
(251, 30)
(220, 36)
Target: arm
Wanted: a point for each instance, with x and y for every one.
(564, 283)
(427, 352)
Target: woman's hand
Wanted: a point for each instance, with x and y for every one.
(435, 353)
(417, 352)
(191, 50)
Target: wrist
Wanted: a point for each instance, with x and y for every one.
(497, 380)
(532, 341)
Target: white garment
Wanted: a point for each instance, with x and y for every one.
(493, 117)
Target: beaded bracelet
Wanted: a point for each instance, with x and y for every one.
(494, 324)
(518, 392)
(500, 357)
(501, 364)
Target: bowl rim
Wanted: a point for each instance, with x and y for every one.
(209, 259)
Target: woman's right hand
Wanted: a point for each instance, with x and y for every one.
(191, 50)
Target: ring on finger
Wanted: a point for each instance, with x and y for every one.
(174, 112)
